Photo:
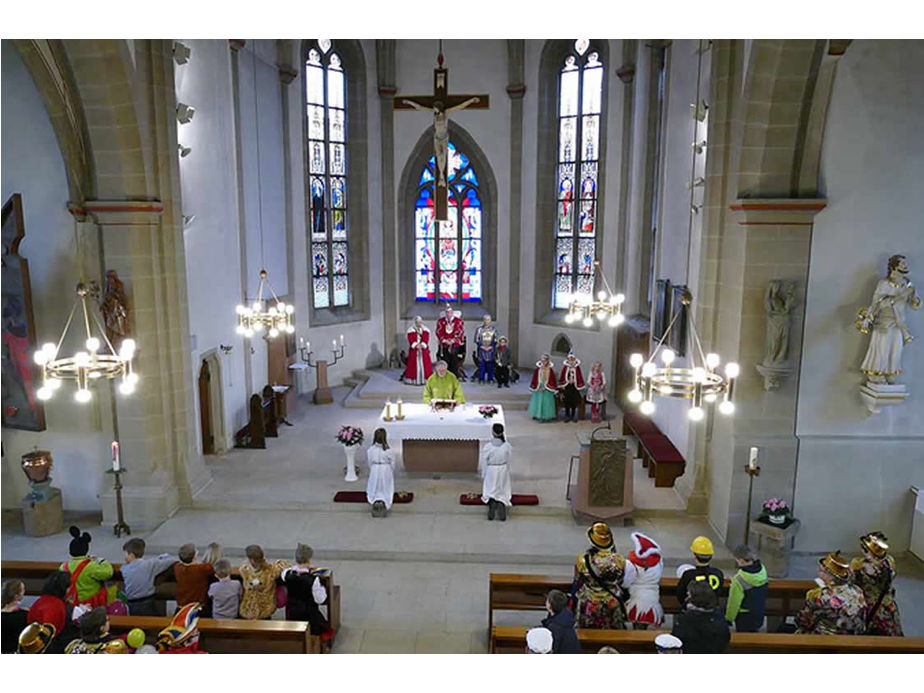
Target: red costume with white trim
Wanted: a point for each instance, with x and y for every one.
(534, 383)
(571, 374)
(450, 332)
(419, 361)
(643, 580)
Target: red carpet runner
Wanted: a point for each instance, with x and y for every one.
(360, 497)
(516, 499)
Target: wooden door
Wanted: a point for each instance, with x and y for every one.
(205, 409)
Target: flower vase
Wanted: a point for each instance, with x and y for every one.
(776, 519)
(350, 452)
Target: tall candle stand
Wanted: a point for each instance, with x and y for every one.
(753, 470)
(117, 470)
(322, 393)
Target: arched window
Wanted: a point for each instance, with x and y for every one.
(448, 254)
(577, 175)
(329, 221)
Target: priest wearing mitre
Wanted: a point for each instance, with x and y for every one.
(443, 385)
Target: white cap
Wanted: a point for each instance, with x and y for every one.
(666, 641)
(539, 640)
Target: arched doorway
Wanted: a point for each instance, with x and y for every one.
(205, 409)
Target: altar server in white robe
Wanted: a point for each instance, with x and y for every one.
(495, 468)
(381, 487)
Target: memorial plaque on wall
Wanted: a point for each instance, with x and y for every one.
(607, 469)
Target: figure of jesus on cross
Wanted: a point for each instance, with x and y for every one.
(441, 103)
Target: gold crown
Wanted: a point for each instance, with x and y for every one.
(875, 543)
(600, 535)
(836, 565)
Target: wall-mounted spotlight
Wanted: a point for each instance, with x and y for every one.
(184, 113)
(184, 151)
(188, 219)
(181, 53)
(698, 182)
(699, 110)
(696, 208)
(700, 147)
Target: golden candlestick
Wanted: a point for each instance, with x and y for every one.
(388, 416)
(400, 416)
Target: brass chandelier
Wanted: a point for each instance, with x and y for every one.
(699, 382)
(87, 366)
(607, 305)
(257, 315)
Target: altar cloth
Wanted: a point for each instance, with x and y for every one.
(419, 423)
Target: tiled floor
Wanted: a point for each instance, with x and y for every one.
(418, 580)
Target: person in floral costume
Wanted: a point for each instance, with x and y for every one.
(259, 578)
(837, 608)
(596, 391)
(598, 575)
(874, 573)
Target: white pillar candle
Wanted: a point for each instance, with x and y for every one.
(752, 459)
(116, 465)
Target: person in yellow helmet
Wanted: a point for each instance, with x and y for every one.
(702, 553)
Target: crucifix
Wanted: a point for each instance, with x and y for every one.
(441, 103)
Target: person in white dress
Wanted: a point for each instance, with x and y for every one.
(381, 487)
(494, 467)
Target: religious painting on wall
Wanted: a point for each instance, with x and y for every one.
(21, 408)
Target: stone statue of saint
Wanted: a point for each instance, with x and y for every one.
(779, 301)
(115, 309)
(884, 321)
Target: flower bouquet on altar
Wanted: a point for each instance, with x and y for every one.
(487, 410)
(775, 511)
(350, 435)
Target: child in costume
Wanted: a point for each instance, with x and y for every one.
(596, 392)
(643, 580)
(874, 573)
(88, 573)
(570, 383)
(542, 402)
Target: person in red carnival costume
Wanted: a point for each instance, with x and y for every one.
(643, 580)
(570, 384)
(542, 385)
(182, 635)
(419, 361)
(450, 331)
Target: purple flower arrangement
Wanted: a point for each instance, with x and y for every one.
(487, 410)
(350, 435)
(775, 507)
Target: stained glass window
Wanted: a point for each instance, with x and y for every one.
(326, 124)
(580, 97)
(448, 254)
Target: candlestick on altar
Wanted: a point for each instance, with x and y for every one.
(752, 469)
(117, 470)
(388, 416)
(322, 393)
(400, 416)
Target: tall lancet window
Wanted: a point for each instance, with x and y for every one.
(329, 222)
(580, 89)
(448, 254)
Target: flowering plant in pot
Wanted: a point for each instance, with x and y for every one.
(487, 410)
(775, 511)
(350, 435)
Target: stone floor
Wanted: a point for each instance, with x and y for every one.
(418, 580)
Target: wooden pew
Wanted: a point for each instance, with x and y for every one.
(34, 573)
(263, 423)
(232, 636)
(512, 640)
(519, 592)
(663, 460)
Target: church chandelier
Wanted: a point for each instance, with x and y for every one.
(85, 367)
(255, 316)
(700, 381)
(607, 307)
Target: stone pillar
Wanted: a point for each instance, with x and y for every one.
(155, 424)
(385, 68)
(516, 89)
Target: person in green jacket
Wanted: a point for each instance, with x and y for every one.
(87, 573)
(747, 594)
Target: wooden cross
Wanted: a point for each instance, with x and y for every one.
(441, 103)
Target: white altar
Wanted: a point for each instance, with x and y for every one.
(439, 441)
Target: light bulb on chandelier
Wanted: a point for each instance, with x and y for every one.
(607, 309)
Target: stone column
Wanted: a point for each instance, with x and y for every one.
(154, 425)
(385, 69)
(516, 89)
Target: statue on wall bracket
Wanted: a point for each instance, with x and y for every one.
(779, 302)
(884, 321)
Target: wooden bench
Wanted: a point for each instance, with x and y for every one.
(266, 412)
(512, 640)
(663, 461)
(34, 573)
(519, 592)
(232, 636)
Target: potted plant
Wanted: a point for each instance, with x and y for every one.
(350, 438)
(487, 410)
(775, 511)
